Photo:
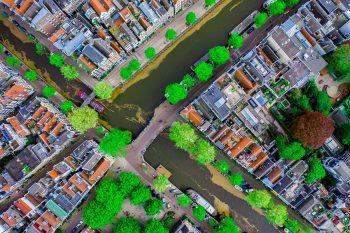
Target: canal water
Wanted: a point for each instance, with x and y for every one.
(186, 173)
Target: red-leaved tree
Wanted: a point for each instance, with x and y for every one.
(312, 129)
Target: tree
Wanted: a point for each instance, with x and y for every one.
(191, 18)
(236, 41)
(311, 89)
(209, 2)
(153, 206)
(316, 171)
(161, 183)
(277, 7)
(291, 151)
(343, 133)
(277, 214)
(103, 90)
(204, 71)
(114, 143)
(291, 3)
(298, 99)
(188, 81)
(154, 226)
(168, 222)
(96, 215)
(236, 179)
(260, 19)
(127, 225)
(56, 60)
(199, 212)
(125, 73)
(69, 72)
(183, 135)
(222, 166)
(134, 64)
(40, 49)
(1, 48)
(13, 61)
(127, 182)
(184, 200)
(48, 91)
(66, 106)
(100, 130)
(170, 34)
(109, 194)
(175, 93)
(339, 62)
(140, 195)
(219, 55)
(323, 103)
(227, 225)
(31, 75)
(150, 53)
(259, 198)
(312, 129)
(292, 225)
(83, 118)
(203, 151)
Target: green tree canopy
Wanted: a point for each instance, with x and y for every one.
(277, 214)
(154, 226)
(339, 62)
(277, 7)
(153, 206)
(150, 53)
(259, 198)
(227, 225)
(13, 61)
(184, 200)
(199, 212)
(140, 195)
(127, 225)
(1, 48)
(103, 90)
(66, 106)
(100, 130)
(209, 2)
(292, 225)
(298, 99)
(291, 151)
(260, 19)
(83, 118)
(114, 143)
(175, 92)
(127, 182)
(204, 71)
(188, 81)
(96, 215)
(343, 133)
(170, 34)
(161, 183)
(291, 3)
(134, 64)
(219, 55)
(183, 135)
(203, 151)
(191, 18)
(222, 166)
(69, 72)
(56, 60)
(323, 103)
(236, 41)
(31, 75)
(108, 194)
(125, 73)
(40, 49)
(48, 91)
(316, 171)
(236, 179)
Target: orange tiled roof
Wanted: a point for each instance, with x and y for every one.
(102, 167)
(53, 174)
(243, 80)
(43, 227)
(9, 220)
(22, 206)
(66, 188)
(24, 7)
(308, 37)
(218, 134)
(87, 62)
(70, 161)
(46, 116)
(9, 2)
(79, 183)
(255, 149)
(107, 4)
(125, 13)
(32, 199)
(260, 159)
(50, 218)
(101, 33)
(275, 174)
(116, 47)
(43, 137)
(98, 7)
(57, 129)
(6, 188)
(38, 112)
(239, 147)
(16, 91)
(54, 37)
(224, 140)
(193, 115)
(17, 126)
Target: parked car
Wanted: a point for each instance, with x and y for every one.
(238, 188)
(173, 190)
(177, 195)
(250, 30)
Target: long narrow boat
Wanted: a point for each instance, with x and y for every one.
(201, 201)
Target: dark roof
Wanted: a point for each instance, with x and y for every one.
(28, 158)
(327, 5)
(93, 54)
(14, 168)
(283, 183)
(307, 204)
(339, 117)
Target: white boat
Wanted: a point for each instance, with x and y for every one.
(201, 201)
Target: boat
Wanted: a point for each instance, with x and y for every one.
(201, 201)
(93, 103)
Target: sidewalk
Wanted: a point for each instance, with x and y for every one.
(158, 40)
